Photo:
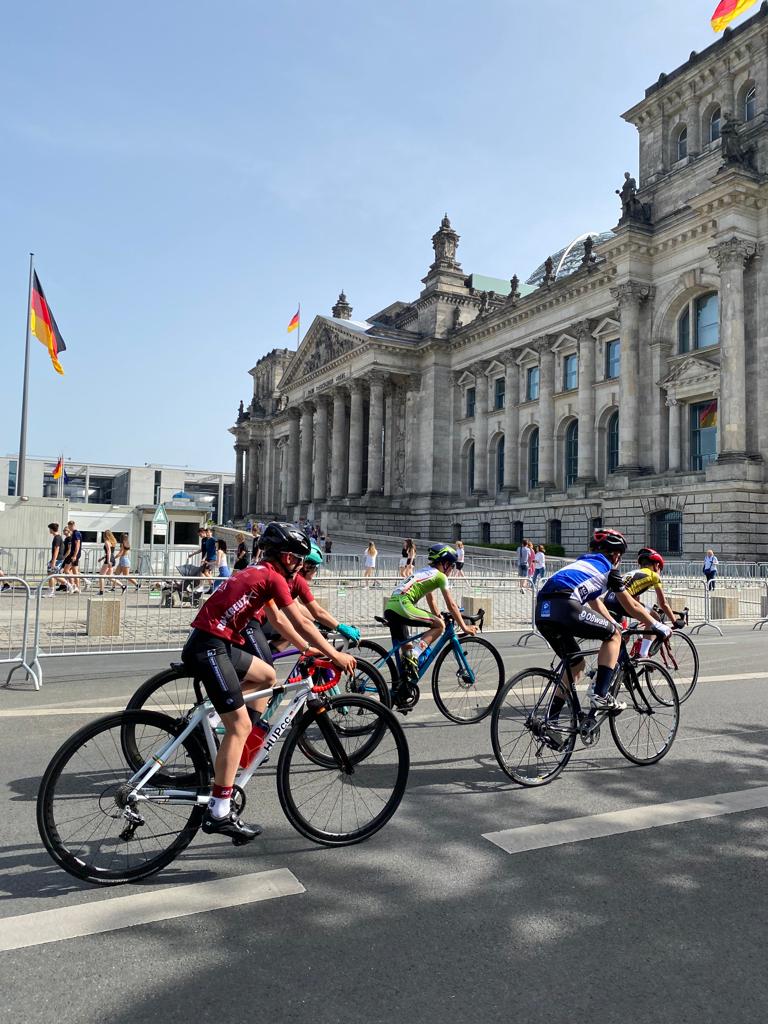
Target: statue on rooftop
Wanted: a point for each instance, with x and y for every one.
(456, 317)
(514, 291)
(549, 273)
(589, 259)
(631, 206)
(735, 153)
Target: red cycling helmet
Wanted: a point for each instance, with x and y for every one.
(649, 555)
(609, 539)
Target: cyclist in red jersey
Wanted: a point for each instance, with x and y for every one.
(214, 652)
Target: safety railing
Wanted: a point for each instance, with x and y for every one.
(16, 628)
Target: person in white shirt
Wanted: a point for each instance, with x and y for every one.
(369, 562)
(539, 564)
(710, 568)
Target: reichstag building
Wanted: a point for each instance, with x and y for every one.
(624, 382)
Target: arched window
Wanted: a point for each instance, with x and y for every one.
(681, 144)
(554, 531)
(699, 323)
(500, 447)
(533, 459)
(612, 435)
(572, 453)
(667, 532)
(714, 125)
(471, 469)
(750, 103)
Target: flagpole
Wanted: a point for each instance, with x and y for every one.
(21, 471)
(298, 338)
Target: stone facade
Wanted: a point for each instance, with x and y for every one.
(623, 383)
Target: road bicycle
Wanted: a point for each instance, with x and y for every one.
(176, 689)
(677, 653)
(533, 749)
(126, 794)
(467, 671)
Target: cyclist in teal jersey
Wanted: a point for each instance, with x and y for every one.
(401, 610)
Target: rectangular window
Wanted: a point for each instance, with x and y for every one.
(13, 467)
(100, 490)
(703, 434)
(499, 392)
(158, 485)
(185, 533)
(470, 402)
(612, 359)
(159, 538)
(708, 321)
(532, 384)
(570, 372)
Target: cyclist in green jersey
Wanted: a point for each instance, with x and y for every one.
(402, 611)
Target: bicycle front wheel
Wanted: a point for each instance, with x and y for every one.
(680, 658)
(84, 817)
(336, 805)
(645, 730)
(466, 685)
(528, 747)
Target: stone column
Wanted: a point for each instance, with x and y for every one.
(239, 452)
(511, 425)
(586, 404)
(268, 458)
(291, 469)
(693, 117)
(339, 453)
(252, 468)
(320, 489)
(389, 436)
(356, 430)
(375, 428)
(674, 434)
(546, 414)
(629, 297)
(731, 257)
(481, 430)
(410, 437)
(305, 454)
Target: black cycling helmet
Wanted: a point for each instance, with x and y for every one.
(284, 537)
(609, 540)
(442, 553)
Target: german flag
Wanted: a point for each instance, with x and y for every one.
(58, 469)
(727, 11)
(294, 322)
(43, 325)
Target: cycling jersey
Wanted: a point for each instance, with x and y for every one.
(300, 590)
(239, 598)
(584, 580)
(419, 585)
(636, 583)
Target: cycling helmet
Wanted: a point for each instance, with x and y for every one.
(649, 555)
(442, 553)
(315, 556)
(280, 537)
(610, 540)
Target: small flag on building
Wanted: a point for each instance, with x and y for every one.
(295, 320)
(708, 415)
(728, 11)
(58, 469)
(43, 325)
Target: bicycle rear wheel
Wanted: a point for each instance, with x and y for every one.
(466, 687)
(367, 681)
(527, 749)
(680, 658)
(83, 816)
(645, 731)
(172, 692)
(331, 805)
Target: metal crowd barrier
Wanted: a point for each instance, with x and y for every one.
(15, 628)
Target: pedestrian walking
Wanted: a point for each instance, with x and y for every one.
(222, 563)
(540, 565)
(255, 534)
(108, 559)
(57, 557)
(460, 554)
(531, 561)
(71, 564)
(522, 563)
(710, 568)
(328, 544)
(369, 562)
(407, 558)
(123, 566)
(241, 554)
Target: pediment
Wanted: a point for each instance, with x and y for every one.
(495, 369)
(323, 344)
(565, 340)
(607, 326)
(696, 372)
(528, 355)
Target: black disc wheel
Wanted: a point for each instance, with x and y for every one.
(530, 744)
(355, 785)
(465, 685)
(87, 817)
(645, 730)
(378, 656)
(680, 658)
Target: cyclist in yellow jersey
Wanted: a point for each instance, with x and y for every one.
(648, 574)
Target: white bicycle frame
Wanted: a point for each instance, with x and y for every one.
(301, 692)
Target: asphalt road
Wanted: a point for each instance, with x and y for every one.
(429, 921)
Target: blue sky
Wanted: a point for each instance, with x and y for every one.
(186, 172)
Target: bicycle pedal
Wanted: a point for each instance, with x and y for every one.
(239, 841)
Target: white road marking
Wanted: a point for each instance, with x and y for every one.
(596, 826)
(143, 908)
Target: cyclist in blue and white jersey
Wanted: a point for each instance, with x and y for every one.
(570, 605)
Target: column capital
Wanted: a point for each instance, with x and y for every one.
(734, 253)
(240, 448)
(542, 345)
(377, 378)
(322, 398)
(307, 407)
(293, 412)
(670, 401)
(583, 331)
(355, 386)
(412, 382)
(340, 390)
(479, 368)
(631, 293)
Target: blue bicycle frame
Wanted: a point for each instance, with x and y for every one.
(427, 658)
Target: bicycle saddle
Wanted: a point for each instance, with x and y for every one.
(381, 619)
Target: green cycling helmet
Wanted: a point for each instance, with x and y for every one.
(315, 556)
(442, 553)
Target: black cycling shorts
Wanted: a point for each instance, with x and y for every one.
(399, 625)
(257, 637)
(220, 666)
(562, 622)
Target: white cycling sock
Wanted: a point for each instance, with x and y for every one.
(219, 806)
(645, 646)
